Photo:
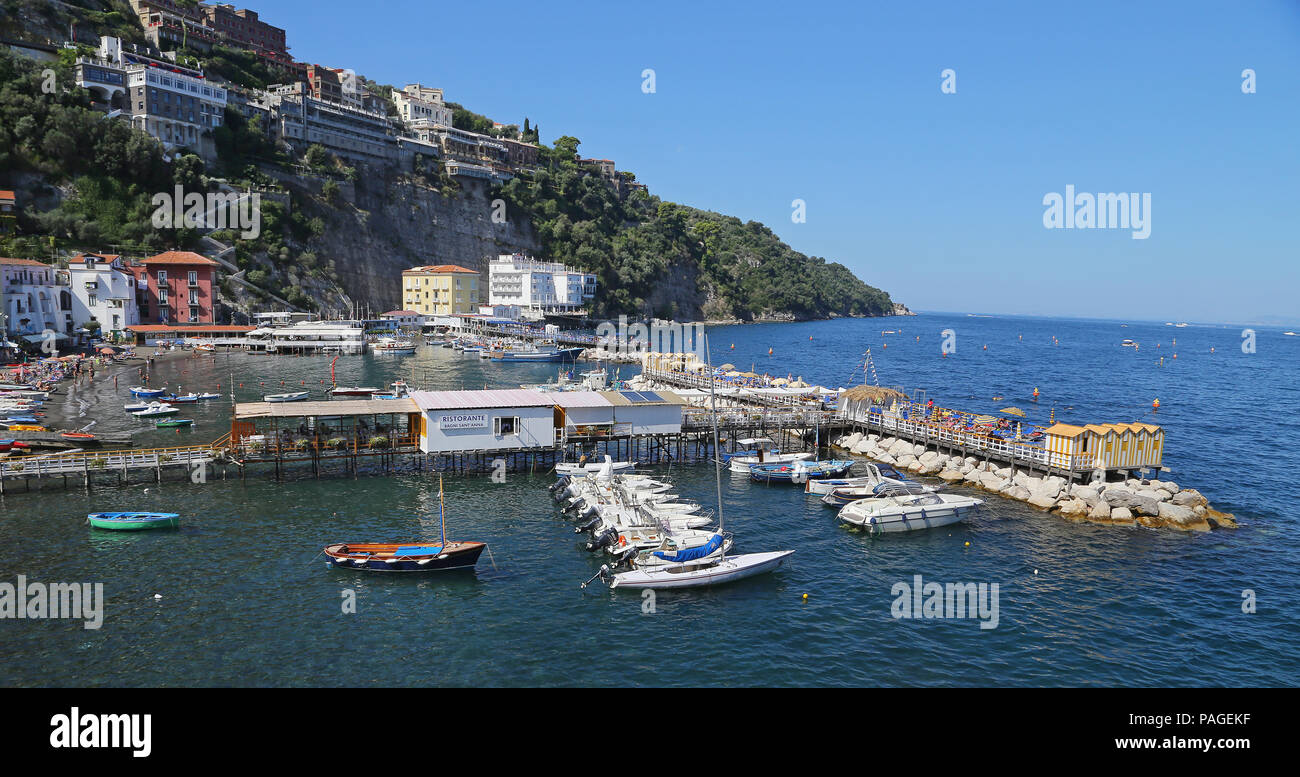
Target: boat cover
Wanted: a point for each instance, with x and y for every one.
(691, 554)
(418, 550)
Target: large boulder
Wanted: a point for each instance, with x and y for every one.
(906, 460)
(850, 440)
(1166, 485)
(1089, 495)
(1121, 516)
(1189, 497)
(1073, 508)
(1026, 479)
(1180, 517)
(951, 475)
(885, 458)
(928, 457)
(973, 477)
(1099, 511)
(863, 448)
(1042, 500)
(1047, 489)
(1019, 492)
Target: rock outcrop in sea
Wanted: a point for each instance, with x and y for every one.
(1156, 504)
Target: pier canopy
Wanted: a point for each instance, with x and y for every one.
(148, 334)
(283, 428)
(617, 413)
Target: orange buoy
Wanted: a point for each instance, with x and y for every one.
(1155, 405)
(769, 351)
(1175, 356)
(1035, 392)
(733, 346)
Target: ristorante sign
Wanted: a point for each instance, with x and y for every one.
(450, 422)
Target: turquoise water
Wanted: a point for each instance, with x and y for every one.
(246, 599)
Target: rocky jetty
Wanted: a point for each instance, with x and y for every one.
(1155, 504)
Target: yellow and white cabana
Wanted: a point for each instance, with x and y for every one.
(1105, 446)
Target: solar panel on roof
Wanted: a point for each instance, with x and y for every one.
(630, 396)
(650, 396)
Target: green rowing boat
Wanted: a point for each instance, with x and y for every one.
(134, 521)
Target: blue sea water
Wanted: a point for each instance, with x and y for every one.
(247, 600)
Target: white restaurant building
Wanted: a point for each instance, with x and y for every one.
(511, 419)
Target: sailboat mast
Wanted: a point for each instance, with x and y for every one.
(442, 512)
(717, 449)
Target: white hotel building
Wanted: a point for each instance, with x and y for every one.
(517, 279)
(103, 290)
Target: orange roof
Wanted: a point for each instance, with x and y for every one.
(146, 328)
(179, 257)
(7, 195)
(439, 268)
(30, 262)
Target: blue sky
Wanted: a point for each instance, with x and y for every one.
(936, 198)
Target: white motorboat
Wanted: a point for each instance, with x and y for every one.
(394, 347)
(293, 396)
(578, 468)
(707, 571)
(872, 477)
(136, 407)
(156, 411)
(742, 464)
(907, 513)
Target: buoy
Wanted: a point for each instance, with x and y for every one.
(1035, 393)
(1155, 405)
(805, 597)
(769, 351)
(733, 346)
(986, 347)
(1175, 356)
(968, 543)
(115, 379)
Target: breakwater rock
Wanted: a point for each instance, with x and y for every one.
(1155, 504)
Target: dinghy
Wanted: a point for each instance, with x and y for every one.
(141, 391)
(134, 521)
(907, 513)
(174, 422)
(293, 396)
(799, 471)
(872, 474)
(438, 556)
(78, 436)
(183, 399)
(157, 411)
(353, 391)
(573, 468)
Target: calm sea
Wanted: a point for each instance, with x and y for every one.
(245, 598)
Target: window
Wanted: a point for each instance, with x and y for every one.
(502, 427)
(194, 297)
(162, 296)
(162, 277)
(194, 277)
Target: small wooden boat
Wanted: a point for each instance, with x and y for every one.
(141, 391)
(293, 396)
(27, 428)
(440, 556)
(77, 436)
(380, 557)
(134, 521)
(174, 422)
(183, 399)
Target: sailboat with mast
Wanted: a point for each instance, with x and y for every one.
(411, 557)
(704, 565)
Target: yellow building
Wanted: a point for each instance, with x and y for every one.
(440, 290)
(1105, 446)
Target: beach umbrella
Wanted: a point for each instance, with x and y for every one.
(1013, 411)
(780, 382)
(732, 374)
(726, 367)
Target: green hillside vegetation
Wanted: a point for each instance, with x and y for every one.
(632, 244)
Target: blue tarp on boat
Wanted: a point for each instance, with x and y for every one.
(418, 550)
(691, 554)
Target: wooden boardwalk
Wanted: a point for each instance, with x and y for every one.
(85, 464)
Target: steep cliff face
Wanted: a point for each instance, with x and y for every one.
(384, 224)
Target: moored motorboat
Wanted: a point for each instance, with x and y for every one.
(292, 396)
(141, 391)
(78, 436)
(353, 391)
(174, 422)
(908, 512)
(799, 471)
(706, 571)
(156, 411)
(134, 521)
(843, 496)
(583, 468)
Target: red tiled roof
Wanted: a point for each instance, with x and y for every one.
(27, 262)
(147, 328)
(179, 257)
(401, 313)
(439, 268)
(7, 195)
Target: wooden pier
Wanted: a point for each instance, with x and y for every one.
(82, 465)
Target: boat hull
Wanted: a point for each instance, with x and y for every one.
(382, 558)
(703, 573)
(134, 521)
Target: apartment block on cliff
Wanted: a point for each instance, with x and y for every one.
(175, 104)
(170, 25)
(422, 106)
(242, 28)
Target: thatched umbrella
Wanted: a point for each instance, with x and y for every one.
(1013, 411)
(875, 394)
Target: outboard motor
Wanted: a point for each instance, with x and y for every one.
(601, 540)
(588, 526)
